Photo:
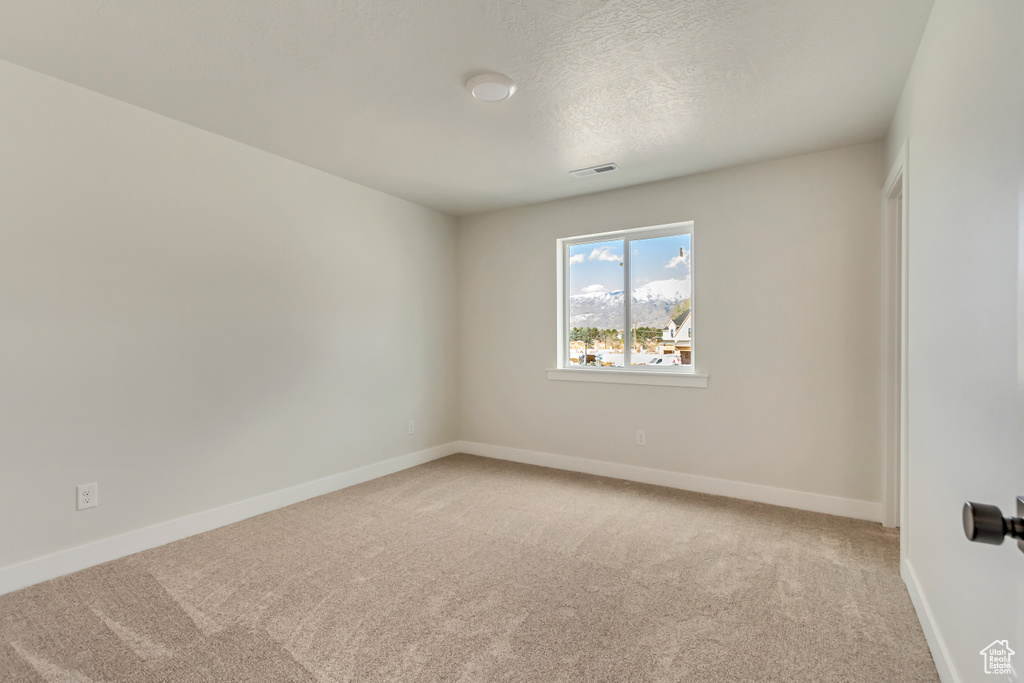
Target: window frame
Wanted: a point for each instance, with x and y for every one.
(639, 374)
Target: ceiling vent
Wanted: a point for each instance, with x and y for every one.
(594, 170)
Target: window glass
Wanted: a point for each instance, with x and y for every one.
(660, 286)
(626, 300)
(596, 304)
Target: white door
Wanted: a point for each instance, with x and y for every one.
(962, 118)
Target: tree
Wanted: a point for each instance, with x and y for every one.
(646, 337)
(590, 335)
(587, 335)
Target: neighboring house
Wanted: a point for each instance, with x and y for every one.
(677, 338)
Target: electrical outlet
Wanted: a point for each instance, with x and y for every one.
(88, 495)
(641, 437)
(412, 426)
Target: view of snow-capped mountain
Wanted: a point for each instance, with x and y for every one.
(663, 290)
(651, 304)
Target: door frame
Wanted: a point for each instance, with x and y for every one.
(896, 465)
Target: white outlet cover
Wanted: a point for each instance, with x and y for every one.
(88, 495)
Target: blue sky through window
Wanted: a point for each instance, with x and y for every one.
(596, 266)
(659, 258)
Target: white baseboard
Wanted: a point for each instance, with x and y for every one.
(801, 500)
(936, 643)
(16, 576)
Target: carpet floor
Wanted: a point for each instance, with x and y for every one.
(467, 569)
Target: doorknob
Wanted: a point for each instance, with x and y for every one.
(986, 524)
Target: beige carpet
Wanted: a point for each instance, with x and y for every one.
(468, 569)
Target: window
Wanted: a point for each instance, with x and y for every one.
(603, 332)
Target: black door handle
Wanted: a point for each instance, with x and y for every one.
(986, 524)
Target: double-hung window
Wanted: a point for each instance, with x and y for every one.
(626, 307)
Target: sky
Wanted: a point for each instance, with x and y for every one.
(595, 266)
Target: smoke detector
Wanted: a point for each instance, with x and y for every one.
(594, 170)
(491, 87)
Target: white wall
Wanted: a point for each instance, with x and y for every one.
(189, 321)
(787, 268)
(962, 114)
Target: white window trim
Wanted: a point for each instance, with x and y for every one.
(654, 377)
(685, 376)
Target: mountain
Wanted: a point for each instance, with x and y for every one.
(651, 305)
(663, 290)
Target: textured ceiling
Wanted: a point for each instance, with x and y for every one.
(372, 90)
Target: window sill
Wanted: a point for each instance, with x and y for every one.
(655, 378)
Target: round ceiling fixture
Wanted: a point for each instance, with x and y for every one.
(491, 87)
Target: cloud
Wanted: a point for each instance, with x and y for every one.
(591, 289)
(604, 254)
(578, 258)
(677, 261)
